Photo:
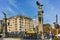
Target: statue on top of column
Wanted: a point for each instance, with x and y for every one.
(39, 5)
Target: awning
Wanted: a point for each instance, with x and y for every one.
(31, 32)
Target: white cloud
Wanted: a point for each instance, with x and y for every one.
(12, 2)
(11, 10)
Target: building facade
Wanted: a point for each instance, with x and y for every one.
(1, 22)
(19, 23)
(35, 22)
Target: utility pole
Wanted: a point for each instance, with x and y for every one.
(4, 25)
(40, 19)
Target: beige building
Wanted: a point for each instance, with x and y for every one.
(19, 23)
(35, 22)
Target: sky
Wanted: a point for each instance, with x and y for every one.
(29, 8)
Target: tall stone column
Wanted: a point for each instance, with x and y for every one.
(4, 25)
(40, 19)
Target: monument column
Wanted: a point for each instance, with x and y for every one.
(40, 19)
(4, 25)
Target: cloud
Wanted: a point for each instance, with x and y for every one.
(19, 8)
(10, 9)
(12, 2)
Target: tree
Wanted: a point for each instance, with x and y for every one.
(47, 28)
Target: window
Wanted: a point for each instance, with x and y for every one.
(9, 30)
(15, 21)
(20, 19)
(15, 28)
(8, 23)
(20, 26)
(15, 18)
